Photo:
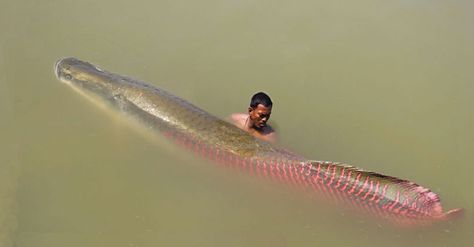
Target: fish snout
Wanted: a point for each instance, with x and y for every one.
(56, 67)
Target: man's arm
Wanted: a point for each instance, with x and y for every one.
(271, 137)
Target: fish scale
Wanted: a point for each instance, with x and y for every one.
(197, 130)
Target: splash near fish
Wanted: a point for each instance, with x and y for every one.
(386, 197)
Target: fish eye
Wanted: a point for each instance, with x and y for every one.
(68, 76)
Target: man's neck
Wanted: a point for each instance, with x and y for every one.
(250, 126)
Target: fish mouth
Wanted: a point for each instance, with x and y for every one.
(56, 67)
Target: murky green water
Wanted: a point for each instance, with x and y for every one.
(385, 85)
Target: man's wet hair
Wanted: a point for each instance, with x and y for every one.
(260, 98)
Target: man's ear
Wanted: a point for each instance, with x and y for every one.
(250, 109)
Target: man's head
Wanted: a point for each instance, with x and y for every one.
(260, 110)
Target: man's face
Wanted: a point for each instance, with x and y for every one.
(260, 115)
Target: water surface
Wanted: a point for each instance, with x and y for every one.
(384, 85)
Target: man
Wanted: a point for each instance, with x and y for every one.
(255, 122)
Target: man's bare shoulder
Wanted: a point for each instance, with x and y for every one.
(238, 116)
(239, 119)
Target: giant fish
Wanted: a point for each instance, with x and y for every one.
(386, 197)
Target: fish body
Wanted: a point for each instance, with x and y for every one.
(188, 125)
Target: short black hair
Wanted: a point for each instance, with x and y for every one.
(260, 98)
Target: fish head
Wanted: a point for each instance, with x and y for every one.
(86, 78)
